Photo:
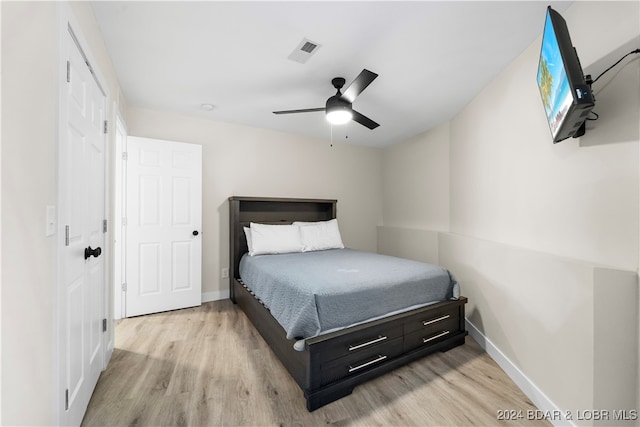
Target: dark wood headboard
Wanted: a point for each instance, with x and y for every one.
(267, 210)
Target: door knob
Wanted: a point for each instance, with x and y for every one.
(88, 252)
(195, 232)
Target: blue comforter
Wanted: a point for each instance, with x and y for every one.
(312, 293)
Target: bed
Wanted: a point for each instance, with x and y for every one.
(327, 365)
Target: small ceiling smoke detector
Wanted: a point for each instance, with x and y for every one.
(207, 107)
(305, 49)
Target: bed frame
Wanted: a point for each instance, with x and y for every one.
(331, 365)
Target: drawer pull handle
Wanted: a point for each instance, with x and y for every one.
(441, 334)
(355, 347)
(428, 322)
(380, 358)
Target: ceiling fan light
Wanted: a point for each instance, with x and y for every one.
(339, 116)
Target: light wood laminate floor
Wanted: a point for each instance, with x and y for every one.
(208, 366)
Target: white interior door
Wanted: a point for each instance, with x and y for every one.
(164, 217)
(81, 214)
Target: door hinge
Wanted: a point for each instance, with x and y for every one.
(125, 156)
(66, 235)
(105, 126)
(124, 287)
(68, 71)
(66, 400)
(124, 221)
(104, 325)
(104, 225)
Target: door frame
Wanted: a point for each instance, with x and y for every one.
(67, 24)
(119, 214)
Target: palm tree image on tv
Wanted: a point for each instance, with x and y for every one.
(545, 80)
(552, 80)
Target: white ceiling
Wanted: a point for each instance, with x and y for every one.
(432, 58)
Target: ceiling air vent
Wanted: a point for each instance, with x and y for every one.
(308, 47)
(305, 49)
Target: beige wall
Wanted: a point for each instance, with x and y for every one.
(28, 185)
(510, 184)
(411, 243)
(29, 169)
(514, 197)
(245, 161)
(420, 198)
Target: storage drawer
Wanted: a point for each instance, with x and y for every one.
(360, 361)
(431, 320)
(432, 334)
(348, 345)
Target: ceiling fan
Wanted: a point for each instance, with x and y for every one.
(338, 107)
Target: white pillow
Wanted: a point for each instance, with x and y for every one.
(320, 235)
(275, 239)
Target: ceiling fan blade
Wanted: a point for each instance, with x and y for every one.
(364, 120)
(307, 110)
(360, 83)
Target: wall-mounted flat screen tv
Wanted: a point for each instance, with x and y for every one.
(566, 96)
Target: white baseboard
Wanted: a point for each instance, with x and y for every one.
(215, 296)
(527, 386)
(108, 354)
(206, 297)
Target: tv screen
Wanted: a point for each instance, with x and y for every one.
(566, 96)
